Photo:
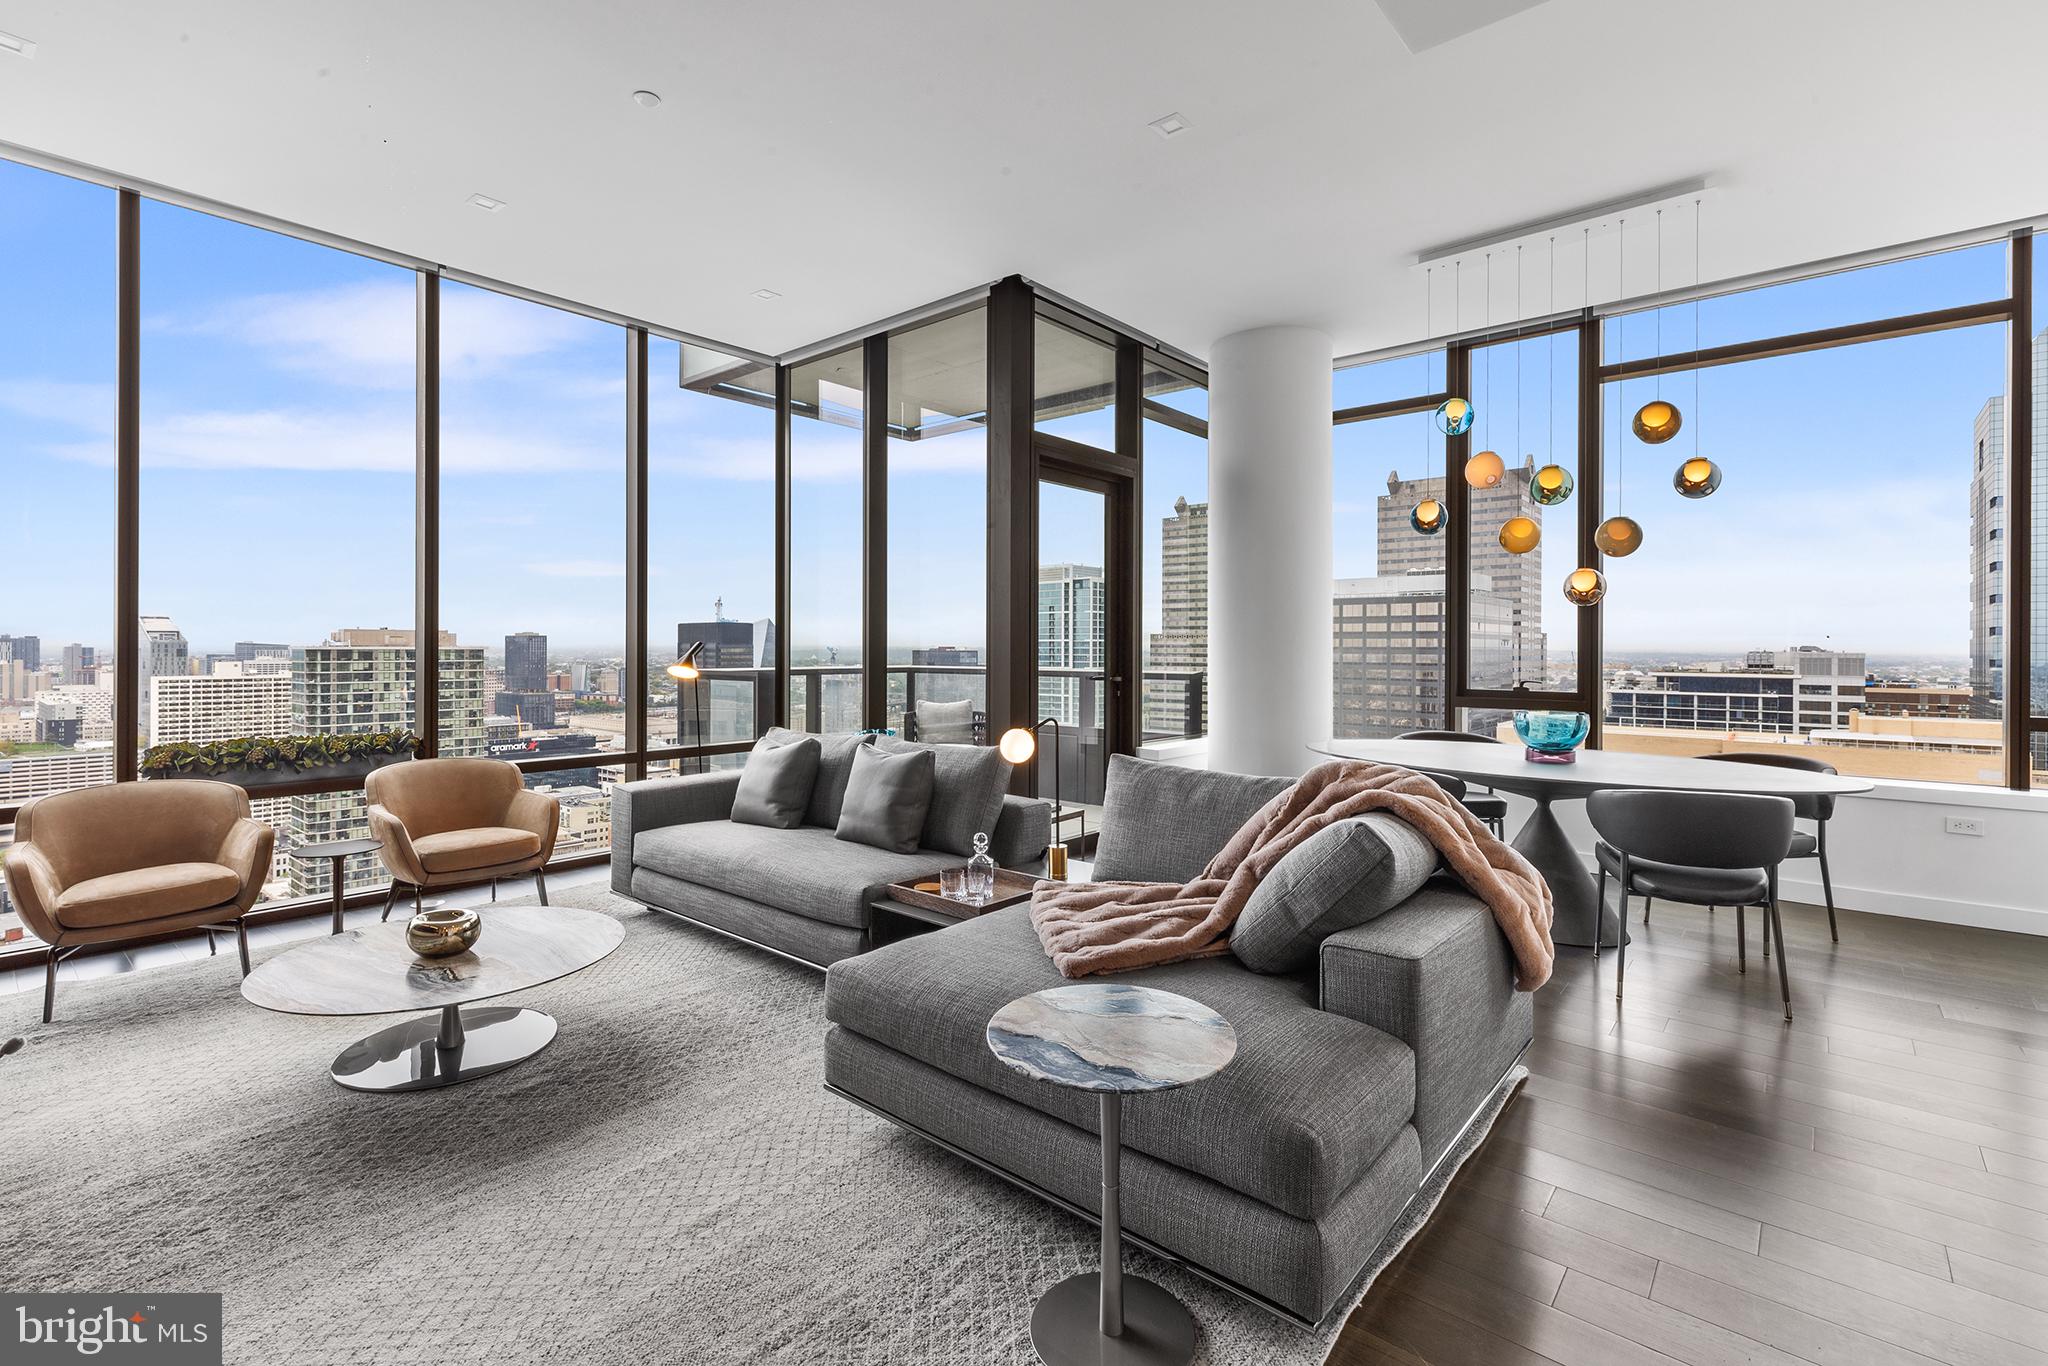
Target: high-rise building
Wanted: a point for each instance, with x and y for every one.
(26, 651)
(1072, 615)
(372, 636)
(80, 666)
(163, 653)
(726, 710)
(1182, 642)
(340, 688)
(1387, 639)
(729, 644)
(204, 708)
(534, 710)
(526, 662)
(1990, 569)
(1516, 579)
(254, 649)
(1772, 692)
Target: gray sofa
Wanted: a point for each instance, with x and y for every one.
(1281, 1175)
(802, 893)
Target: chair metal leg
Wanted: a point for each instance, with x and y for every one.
(390, 900)
(1646, 909)
(1767, 941)
(540, 884)
(1620, 935)
(1741, 940)
(1778, 928)
(494, 891)
(1600, 909)
(242, 942)
(417, 892)
(50, 984)
(211, 947)
(1827, 887)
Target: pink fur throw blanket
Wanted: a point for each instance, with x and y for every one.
(1092, 927)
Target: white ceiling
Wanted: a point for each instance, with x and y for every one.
(862, 159)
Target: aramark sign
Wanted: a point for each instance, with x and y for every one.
(163, 1330)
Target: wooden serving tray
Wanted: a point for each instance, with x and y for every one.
(1011, 889)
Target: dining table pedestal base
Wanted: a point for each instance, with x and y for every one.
(1575, 898)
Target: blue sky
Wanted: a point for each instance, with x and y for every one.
(277, 446)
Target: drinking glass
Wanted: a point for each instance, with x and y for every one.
(953, 884)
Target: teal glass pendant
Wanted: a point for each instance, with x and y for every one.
(1454, 416)
(1429, 516)
(1551, 485)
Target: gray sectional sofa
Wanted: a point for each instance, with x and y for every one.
(803, 892)
(1283, 1174)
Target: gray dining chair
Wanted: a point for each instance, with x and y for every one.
(1700, 849)
(1817, 807)
(1488, 805)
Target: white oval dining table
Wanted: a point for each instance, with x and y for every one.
(1579, 915)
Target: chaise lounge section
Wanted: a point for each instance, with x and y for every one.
(1281, 1176)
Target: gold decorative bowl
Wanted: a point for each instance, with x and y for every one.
(440, 933)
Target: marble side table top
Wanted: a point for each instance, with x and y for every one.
(1110, 1036)
(371, 971)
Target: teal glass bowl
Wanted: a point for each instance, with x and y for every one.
(1552, 737)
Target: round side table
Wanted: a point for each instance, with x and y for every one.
(1115, 1040)
(340, 851)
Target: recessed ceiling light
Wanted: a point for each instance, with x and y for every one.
(766, 294)
(486, 203)
(1169, 125)
(646, 99)
(20, 47)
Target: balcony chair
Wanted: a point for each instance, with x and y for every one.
(1697, 848)
(1488, 805)
(1818, 809)
(459, 823)
(135, 861)
(945, 723)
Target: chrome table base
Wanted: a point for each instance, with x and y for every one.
(1105, 1318)
(442, 1050)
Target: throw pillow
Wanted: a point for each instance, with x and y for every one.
(1340, 877)
(775, 786)
(945, 723)
(835, 766)
(968, 782)
(886, 799)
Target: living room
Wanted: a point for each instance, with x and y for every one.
(1274, 719)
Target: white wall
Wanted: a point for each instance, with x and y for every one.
(1269, 548)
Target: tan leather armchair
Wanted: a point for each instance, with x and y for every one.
(133, 861)
(458, 822)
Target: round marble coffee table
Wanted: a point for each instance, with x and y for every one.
(372, 971)
(1115, 1040)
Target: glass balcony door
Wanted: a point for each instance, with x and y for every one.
(1078, 617)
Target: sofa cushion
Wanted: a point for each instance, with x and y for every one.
(887, 798)
(1343, 875)
(835, 766)
(775, 786)
(146, 894)
(945, 723)
(1162, 823)
(1310, 1100)
(968, 782)
(456, 851)
(805, 871)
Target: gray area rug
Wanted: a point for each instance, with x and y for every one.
(667, 1182)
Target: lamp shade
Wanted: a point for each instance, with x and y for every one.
(1619, 536)
(1454, 416)
(1696, 478)
(1520, 535)
(1485, 470)
(685, 669)
(1018, 745)
(1657, 422)
(1551, 485)
(1429, 516)
(1583, 587)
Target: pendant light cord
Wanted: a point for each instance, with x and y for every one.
(1696, 328)
(1621, 389)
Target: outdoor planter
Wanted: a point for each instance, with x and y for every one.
(267, 762)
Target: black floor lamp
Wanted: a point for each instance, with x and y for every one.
(685, 670)
(1018, 745)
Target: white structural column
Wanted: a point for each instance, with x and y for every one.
(1269, 549)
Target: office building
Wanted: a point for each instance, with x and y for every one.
(1387, 642)
(1177, 704)
(1770, 692)
(526, 662)
(201, 708)
(1072, 617)
(1517, 580)
(80, 666)
(26, 651)
(535, 710)
(60, 720)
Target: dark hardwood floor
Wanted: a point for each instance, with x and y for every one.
(1689, 1179)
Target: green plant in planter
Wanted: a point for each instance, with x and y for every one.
(271, 754)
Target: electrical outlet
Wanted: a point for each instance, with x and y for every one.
(1963, 825)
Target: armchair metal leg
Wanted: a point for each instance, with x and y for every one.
(494, 891)
(540, 884)
(1646, 909)
(417, 891)
(242, 941)
(212, 949)
(1767, 940)
(50, 984)
(1620, 934)
(1741, 940)
(390, 900)
(1600, 909)
(1778, 928)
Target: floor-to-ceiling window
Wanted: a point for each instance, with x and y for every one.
(710, 547)
(1075, 394)
(57, 363)
(276, 504)
(938, 542)
(828, 404)
(1175, 554)
(532, 550)
(1387, 601)
(1841, 591)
